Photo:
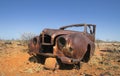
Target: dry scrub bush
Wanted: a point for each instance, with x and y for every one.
(25, 37)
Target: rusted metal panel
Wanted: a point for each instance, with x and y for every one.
(34, 46)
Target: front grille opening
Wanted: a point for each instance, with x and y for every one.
(47, 48)
(47, 39)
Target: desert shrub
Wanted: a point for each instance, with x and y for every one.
(25, 37)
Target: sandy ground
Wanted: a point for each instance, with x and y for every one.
(14, 62)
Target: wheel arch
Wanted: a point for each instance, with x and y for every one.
(86, 57)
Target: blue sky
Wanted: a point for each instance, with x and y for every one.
(19, 16)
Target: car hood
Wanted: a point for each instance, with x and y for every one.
(56, 32)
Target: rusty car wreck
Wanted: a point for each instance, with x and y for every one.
(65, 46)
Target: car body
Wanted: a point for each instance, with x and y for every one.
(69, 46)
